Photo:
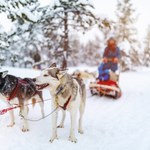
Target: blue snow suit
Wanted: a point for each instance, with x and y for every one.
(111, 54)
(103, 72)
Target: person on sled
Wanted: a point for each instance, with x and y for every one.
(110, 60)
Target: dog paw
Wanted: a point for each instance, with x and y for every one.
(81, 131)
(60, 126)
(25, 129)
(52, 139)
(72, 139)
(11, 124)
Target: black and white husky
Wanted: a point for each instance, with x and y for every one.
(14, 90)
(67, 94)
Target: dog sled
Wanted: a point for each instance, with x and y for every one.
(108, 88)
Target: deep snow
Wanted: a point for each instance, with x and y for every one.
(109, 124)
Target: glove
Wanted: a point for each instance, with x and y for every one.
(107, 71)
(115, 60)
(105, 60)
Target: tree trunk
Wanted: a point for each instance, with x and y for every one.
(65, 53)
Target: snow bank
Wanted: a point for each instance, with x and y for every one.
(108, 124)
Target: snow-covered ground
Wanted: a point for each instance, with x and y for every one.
(109, 124)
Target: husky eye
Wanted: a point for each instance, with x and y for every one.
(45, 75)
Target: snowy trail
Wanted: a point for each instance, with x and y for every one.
(108, 124)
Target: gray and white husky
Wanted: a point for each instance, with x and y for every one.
(67, 93)
(14, 90)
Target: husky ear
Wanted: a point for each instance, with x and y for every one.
(4, 74)
(53, 65)
(61, 73)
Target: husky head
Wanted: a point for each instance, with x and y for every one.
(49, 78)
(2, 76)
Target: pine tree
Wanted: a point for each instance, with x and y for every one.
(66, 15)
(146, 58)
(74, 58)
(23, 15)
(91, 52)
(125, 61)
(3, 45)
(125, 31)
(107, 29)
(19, 9)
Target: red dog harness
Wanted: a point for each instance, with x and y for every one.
(13, 93)
(66, 104)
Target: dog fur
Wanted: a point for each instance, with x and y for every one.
(84, 75)
(62, 86)
(24, 92)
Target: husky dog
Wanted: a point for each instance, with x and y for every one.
(67, 94)
(85, 75)
(14, 90)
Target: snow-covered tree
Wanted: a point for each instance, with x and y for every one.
(75, 53)
(23, 15)
(91, 52)
(107, 28)
(125, 31)
(66, 16)
(125, 61)
(146, 59)
(19, 9)
(3, 45)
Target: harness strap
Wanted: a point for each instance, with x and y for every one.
(66, 104)
(27, 80)
(13, 94)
